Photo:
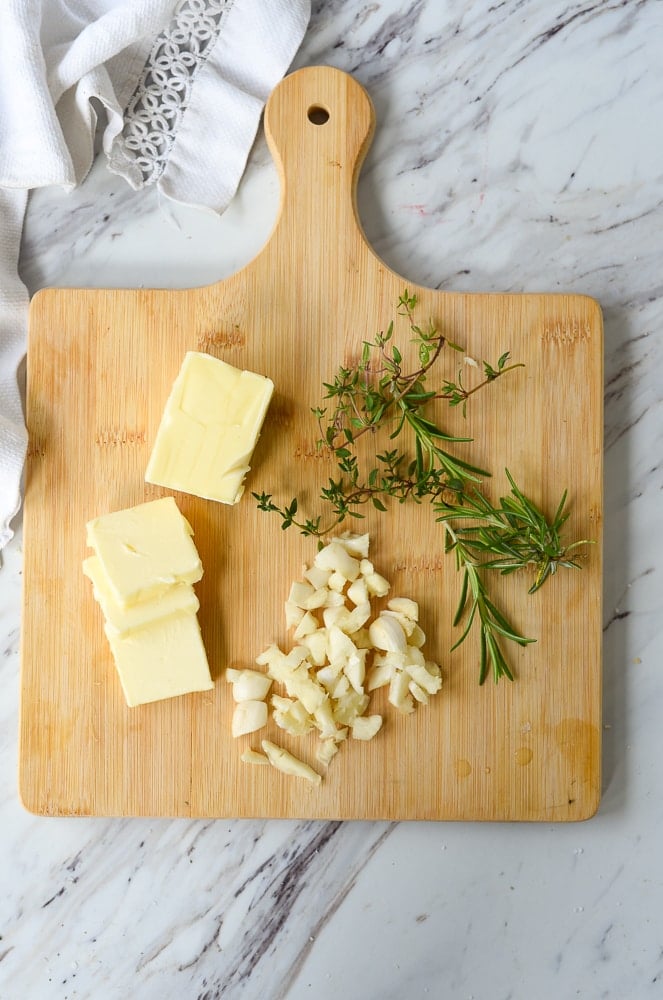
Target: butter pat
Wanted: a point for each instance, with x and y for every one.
(209, 429)
(144, 550)
(119, 621)
(164, 659)
(142, 570)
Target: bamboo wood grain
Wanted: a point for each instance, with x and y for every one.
(100, 366)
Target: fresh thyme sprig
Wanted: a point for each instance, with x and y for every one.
(380, 394)
(378, 389)
(343, 495)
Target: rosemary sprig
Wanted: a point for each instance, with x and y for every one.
(380, 394)
(512, 535)
(492, 622)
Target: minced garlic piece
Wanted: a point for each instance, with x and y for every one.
(289, 764)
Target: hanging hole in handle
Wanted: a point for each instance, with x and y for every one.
(317, 115)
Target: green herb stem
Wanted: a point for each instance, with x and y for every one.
(380, 395)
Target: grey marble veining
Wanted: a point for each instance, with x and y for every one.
(518, 148)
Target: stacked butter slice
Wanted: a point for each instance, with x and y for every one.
(142, 572)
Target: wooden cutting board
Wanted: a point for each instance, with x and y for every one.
(100, 366)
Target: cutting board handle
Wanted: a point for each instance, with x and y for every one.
(319, 123)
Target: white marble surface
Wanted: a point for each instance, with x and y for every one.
(519, 147)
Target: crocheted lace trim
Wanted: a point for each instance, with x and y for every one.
(163, 91)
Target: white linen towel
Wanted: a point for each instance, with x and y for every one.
(183, 85)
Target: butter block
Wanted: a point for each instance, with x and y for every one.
(119, 621)
(209, 429)
(164, 659)
(144, 550)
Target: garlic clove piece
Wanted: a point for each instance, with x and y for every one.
(289, 764)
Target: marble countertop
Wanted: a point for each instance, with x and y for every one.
(518, 148)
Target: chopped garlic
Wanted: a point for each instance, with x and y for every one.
(418, 693)
(334, 599)
(348, 621)
(414, 657)
(279, 665)
(358, 591)
(317, 599)
(248, 717)
(336, 557)
(405, 623)
(365, 727)
(248, 685)
(377, 585)
(289, 764)
(341, 688)
(302, 687)
(379, 676)
(253, 757)
(317, 577)
(404, 606)
(316, 643)
(300, 593)
(397, 661)
(355, 670)
(417, 638)
(326, 750)
(307, 626)
(427, 676)
(324, 720)
(336, 582)
(362, 639)
(358, 617)
(293, 614)
(291, 715)
(356, 545)
(339, 645)
(399, 693)
(340, 655)
(329, 674)
(386, 633)
(349, 706)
